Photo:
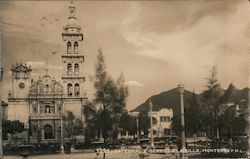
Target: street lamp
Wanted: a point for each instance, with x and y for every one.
(183, 143)
(1, 131)
(102, 131)
(137, 128)
(151, 123)
(61, 115)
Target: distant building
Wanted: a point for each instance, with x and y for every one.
(39, 103)
(162, 120)
(240, 110)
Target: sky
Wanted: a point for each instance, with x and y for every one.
(155, 44)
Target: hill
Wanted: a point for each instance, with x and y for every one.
(171, 99)
(167, 99)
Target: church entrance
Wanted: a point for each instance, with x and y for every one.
(47, 132)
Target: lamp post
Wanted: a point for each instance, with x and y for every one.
(62, 147)
(151, 124)
(102, 131)
(1, 131)
(137, 127)
(183, 143)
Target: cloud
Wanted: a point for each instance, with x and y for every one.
(24, 21)
(198, 42)
(208, 36)
(134, 83)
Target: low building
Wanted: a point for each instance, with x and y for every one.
(162, 121)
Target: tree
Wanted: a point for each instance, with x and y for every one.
(73, 126)
(121, 95)
(104, 122)
(239, 124)
(231, 123)
(90, 114)
(110, 96)
(193, 116)
(214, 99)
(226, 120)
(119, 103)
(176, 125)
(225, 114)
(12, 127)
(104, 86)
(128, 123)
(102, 81)
(211, 97)
(144, 122)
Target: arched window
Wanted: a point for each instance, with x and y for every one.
(34, 110)
(46, 88)
(77, 90)
(69, 47)
(154, 121)
(70, 90)
(69, 70)
(48, 132)
(76, 47)
(47, 109)
(76, 69)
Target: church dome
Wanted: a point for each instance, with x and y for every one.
(72, 24)
(46, 78)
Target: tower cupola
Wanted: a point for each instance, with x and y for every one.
(72, 35)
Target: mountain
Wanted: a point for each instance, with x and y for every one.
(171, 99)
(167, 99)
(239, 95)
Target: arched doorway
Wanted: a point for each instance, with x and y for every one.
(47, 132)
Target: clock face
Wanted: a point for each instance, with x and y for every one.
(21, 85)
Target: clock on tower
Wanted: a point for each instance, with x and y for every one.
(20, 80)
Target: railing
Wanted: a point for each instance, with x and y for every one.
(45, 116)
(46, 95)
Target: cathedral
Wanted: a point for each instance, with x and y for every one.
(40, 103)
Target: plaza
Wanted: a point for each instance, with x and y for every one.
(121, 155)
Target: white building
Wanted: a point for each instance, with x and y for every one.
(162, 120)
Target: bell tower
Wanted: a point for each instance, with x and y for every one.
(20, 81)
(73, 59)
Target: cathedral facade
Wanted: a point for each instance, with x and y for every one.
(40, 104)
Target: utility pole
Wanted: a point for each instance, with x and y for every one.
(183, 140)
(151, 123)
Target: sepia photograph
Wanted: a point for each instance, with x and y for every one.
(124, 79)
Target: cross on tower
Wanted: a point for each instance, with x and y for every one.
(46, 67)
